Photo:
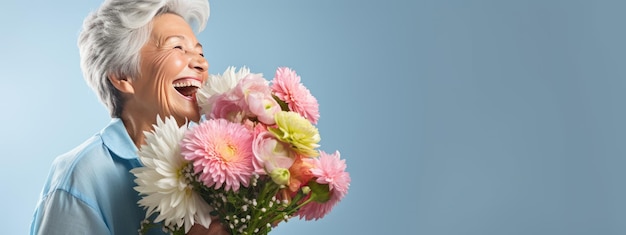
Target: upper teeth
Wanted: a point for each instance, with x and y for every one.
(186, 83)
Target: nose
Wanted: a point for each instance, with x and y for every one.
(198, 62)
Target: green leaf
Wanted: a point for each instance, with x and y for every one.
(319, 192)
(283, 104)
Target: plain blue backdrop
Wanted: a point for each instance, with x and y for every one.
(455, 117)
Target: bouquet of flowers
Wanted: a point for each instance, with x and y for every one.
(252, 162)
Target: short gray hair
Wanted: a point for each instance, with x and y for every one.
(113, 35)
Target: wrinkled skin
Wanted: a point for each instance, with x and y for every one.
(171, 55)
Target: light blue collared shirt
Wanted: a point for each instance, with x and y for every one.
(89, 190)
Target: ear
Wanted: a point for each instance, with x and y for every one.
(123, 84)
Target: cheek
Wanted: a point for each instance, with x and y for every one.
(174, 64)
(167, 65)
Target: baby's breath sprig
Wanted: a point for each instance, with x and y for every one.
(148, 225)
(251, 210)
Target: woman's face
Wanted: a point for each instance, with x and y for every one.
(172, 67)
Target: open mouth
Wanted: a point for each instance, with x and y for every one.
(187, 87)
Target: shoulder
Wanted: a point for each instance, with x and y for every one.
(79, 163)
(101, 160)
(94, 179)
(64, 194)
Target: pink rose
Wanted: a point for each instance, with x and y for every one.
(263, 106)
(270, 154)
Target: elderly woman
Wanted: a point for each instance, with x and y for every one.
(142, 59)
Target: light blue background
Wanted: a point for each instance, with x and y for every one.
(455, 117)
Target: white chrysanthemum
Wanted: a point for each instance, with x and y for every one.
(219, 84)
(165, 179)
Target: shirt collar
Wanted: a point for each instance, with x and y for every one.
(116, 138)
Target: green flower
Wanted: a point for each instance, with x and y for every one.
(297, 131)
(280, 176)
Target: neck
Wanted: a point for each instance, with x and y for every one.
(135, 126)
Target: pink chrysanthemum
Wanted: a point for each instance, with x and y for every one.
(221, 153)
(287, 87)
(330, 169)
(327, 169)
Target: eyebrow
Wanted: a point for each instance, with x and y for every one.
(181, 37)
